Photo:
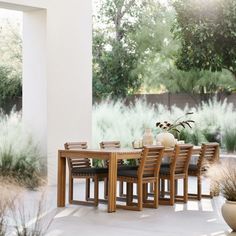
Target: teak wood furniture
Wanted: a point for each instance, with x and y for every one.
(103, 154)
(148, 172)
(208, 155)
(177, 169)
(111, 145)
(81, 168)
(120, 163)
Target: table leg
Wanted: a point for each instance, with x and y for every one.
(61, 181)
(112, 179)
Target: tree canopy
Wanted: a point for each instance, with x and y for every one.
(125, 36)
(207, 32)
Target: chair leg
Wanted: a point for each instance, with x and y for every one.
(96, 190)
(121, 188)
(172, 191)
(145, 192)
(87, 194)
(156, 195)
(105, 188)
(199, 188)
(140, 196)
(129, 195)
(162, 188)
(186, 189)
(71, 185)
(176, 187)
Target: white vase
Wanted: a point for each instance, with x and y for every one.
(166, 139)
(229, 213)
(148, 137)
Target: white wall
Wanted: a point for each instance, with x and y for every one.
(69, 90)
(57, 77)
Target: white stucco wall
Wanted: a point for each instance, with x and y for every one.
(57, 72)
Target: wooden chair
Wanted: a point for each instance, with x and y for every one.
(148, 172)
(111, 145)
(208, 155)
(81, 168)
(120, 163)
(177, 169)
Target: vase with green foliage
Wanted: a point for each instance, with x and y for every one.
(166, 136)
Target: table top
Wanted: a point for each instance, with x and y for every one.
(107, 150)
(118, 151)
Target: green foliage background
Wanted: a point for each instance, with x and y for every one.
(155, 37)
(10, 60)
(207, 32)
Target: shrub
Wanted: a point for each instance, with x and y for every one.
(230, 139)
(194, 136)
(20, 156)
(13, 211)
(10, 85)
(117, 121)
(223, 175)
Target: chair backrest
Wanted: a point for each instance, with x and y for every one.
(150, 161)
(209, 154)
(180, 159)
(77, 162)
(75, 145)
(109, 144)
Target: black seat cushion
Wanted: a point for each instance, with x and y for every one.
(165, 170)
(130, 173)
(193, 168)
(126, 167)
(89, 170)
(165, 165)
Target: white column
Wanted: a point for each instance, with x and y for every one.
(57, 77)
(35, 76)
(69, 85)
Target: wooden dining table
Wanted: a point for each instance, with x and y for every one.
(101, 154)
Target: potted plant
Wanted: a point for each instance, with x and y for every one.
(166, 137)
(223, 178)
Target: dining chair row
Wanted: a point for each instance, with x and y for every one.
(151, 170)
(81, 168)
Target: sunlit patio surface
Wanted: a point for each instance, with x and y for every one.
(196, 218)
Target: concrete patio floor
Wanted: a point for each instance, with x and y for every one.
(192, 219)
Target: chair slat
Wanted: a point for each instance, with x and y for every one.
(74, 162)
(111, 145)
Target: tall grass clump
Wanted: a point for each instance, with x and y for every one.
(20, 156)
(211, 118)
(223, 176)
(9, 192)
(230, 139)
(16, 217)
(117, 121)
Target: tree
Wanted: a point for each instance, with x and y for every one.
(207, 32)
(114, 52)
(161, 73)
(124, 38)
(11, 61)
